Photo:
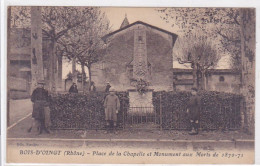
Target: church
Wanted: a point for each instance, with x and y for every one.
(137, 51)
(142, 51)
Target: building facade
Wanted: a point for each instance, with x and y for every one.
(222, 80)
(20, 60)
(136, 51)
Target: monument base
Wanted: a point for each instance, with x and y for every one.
(141, 103)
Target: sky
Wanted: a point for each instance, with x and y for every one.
(147, 15)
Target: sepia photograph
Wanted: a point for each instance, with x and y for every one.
(130, 85)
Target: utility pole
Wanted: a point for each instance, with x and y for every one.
(36, 46)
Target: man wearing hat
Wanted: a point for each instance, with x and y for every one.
(193, 110)
(40, 100)
(73, 88)
(112, 106)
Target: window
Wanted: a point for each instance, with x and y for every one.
(221, 79)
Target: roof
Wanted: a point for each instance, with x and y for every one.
(224, 71)
(212, 71)
(174, 36)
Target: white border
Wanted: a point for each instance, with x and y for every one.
(119, 3)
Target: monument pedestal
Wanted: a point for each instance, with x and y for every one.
(140, 103)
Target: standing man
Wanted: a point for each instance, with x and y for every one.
(40, 100)
(112, 106)
(73, 88)
(93, 87)
(193, 110)
(108, 87)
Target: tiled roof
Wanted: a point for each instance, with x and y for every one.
(174, 36)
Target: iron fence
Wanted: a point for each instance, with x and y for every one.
(141, 118)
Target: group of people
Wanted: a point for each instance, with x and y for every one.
(74, 88)
(40, 99)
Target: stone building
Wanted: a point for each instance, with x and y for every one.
(137, 51)
(222, 80)
(20, 62)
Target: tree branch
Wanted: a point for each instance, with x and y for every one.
(61, 33)
(227, 38)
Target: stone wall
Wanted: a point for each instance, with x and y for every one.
(230, 84)
(218, 81)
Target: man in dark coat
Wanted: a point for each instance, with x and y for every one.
(40, 100)
(112, 106)
(107, 87)
(73, 88)
(193, 110)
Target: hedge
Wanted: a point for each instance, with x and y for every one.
(78, 111)
(218, 110)
(82, 111)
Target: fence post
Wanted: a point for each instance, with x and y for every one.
(160, 111)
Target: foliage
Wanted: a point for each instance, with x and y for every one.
(69, 76)
(218, 110)
(86, 111)
(221, 25)
(85, 43)
(57, 22)
(200, 54)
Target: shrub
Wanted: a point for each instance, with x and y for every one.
(81, 111)
(218, 109)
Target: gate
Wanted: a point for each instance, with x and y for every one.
(141, 118)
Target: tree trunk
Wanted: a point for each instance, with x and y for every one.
(52, 62)
(74, 74)
(203, 79)
(194, 74)
(60, 71)
(90, 79)
(247, 33)
(242, 36)
(55, 66)
(83, 77)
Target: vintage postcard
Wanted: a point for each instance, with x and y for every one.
(126, 85)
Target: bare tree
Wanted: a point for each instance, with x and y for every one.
(200, 54)
(221, 25)
(57, 22)
(85, 42)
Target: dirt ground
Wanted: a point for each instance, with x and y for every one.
(20, 131)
